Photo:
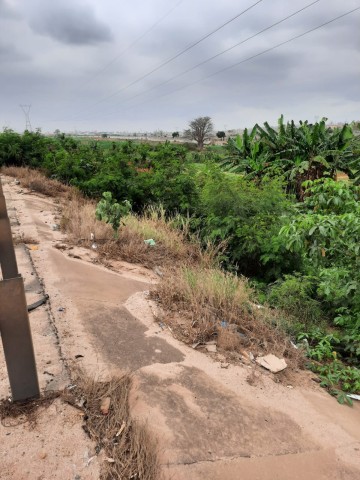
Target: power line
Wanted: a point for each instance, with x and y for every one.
(264, 52)
(166, 62)
(307, 32)
(189, 47)
(224, 51)
(137, 40)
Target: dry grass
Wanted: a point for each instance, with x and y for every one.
(131, 452)
(172, 243)
(38, 182)
(13, 414)
(78, 221)
(203, 304)
(206, 296)
(166, 232)
(228, 340)
(24, 239)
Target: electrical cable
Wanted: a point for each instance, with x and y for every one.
(307, 32)
(166, 62)
(224, 51)
(137, 40)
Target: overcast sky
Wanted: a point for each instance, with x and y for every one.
(79, 63)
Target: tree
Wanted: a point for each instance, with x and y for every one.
(221, 135)
(200, 130)
(297, 153)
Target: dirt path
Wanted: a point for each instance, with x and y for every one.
(210, 422)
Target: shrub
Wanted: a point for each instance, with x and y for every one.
(111, 212)
(294, 295)
(248, 217)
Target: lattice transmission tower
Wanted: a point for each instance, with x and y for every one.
(26, 110)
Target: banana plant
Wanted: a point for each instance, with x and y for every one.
(245, 155)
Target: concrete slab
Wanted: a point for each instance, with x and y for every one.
(209, 421)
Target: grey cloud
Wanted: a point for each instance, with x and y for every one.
(9, 54)
(6, 11)
(69, 23)
(315, 75)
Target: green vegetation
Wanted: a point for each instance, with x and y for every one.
(109, 211)
(295, 153)
(269, 201)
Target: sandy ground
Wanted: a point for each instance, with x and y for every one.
(210, 422)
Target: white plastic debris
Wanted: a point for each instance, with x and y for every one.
(354, 396)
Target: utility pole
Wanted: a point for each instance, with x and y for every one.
(14, 319)
(26, 110)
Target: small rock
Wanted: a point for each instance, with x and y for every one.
(42, 455)
(61, 309)
(158, 272)
(55, 226)
(211, 348)
(272, 363)
(105, 405)
(224, 365)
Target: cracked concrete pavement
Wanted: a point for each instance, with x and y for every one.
(209, 421)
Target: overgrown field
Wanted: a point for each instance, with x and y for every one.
(269, 207)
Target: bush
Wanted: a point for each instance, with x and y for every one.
(247, 217)
(295, 295)
(111, 212)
